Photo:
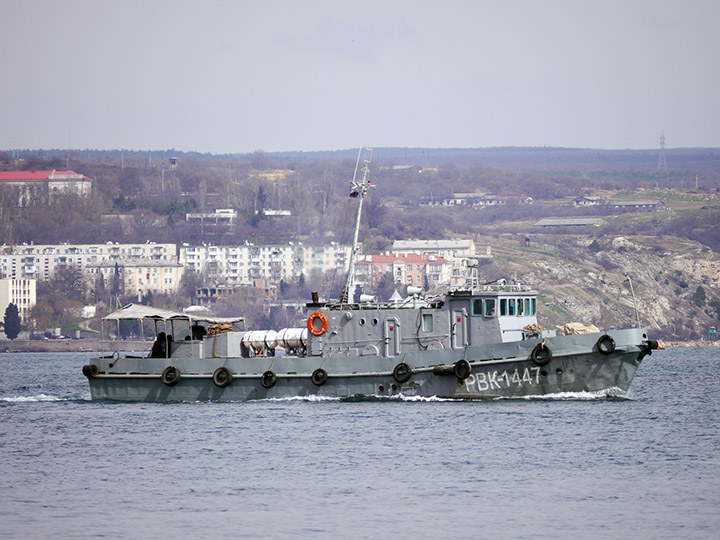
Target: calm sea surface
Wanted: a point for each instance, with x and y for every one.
(571, 467)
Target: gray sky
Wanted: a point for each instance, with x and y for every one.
(329, 74)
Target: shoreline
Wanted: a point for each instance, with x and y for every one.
(73, 345)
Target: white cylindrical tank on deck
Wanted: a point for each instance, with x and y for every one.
(292, 338)
(271, 341)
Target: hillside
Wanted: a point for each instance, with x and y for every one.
(584, 280)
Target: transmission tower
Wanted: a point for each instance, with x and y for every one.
(662, 165)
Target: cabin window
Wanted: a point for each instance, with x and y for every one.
(527, 307)
(503, 306)
(477, 307)
(520, 310)
(533, 306)
(489, 307)
(511, 306)
(427, 322)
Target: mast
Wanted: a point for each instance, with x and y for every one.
(359, 190)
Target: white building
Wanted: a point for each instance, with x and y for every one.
(42, 185)
(246, 264)
(41, 261)
(21, 292)
(139, 276)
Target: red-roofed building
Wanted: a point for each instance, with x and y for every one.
(406, 269)
(40, 186)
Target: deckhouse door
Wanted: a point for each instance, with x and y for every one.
(459, 330)
(392, 337)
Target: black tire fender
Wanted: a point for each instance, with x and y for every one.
(462, 369)
(319, 377)
(222, 377)
(541, 354)
(90, 371)
(170, 376)
(268, 379)
(402, 373)
(605, 344)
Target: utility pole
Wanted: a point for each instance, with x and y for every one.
(662, 165)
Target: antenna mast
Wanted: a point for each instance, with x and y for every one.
(359, 190)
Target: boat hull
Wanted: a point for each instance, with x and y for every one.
(498, 370)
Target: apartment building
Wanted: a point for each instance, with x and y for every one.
(21, 292)
(246, 264)
(406, 269)
(41, 261)
(139, 276)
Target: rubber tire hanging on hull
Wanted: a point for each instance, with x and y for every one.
(170, 376)
(222, 377)
(541, 354)
(319, 377)
(268, 379)
(605, 345)
(90, 371)
(402, 373)
(462, 369)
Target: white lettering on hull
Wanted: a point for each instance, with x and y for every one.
(497, 380)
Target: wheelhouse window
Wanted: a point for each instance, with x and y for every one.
(477, 309)
(520, 307)
(503, 307)
(511, 306)
(427, 322)
(489, 307)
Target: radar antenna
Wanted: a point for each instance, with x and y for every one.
(357, 190)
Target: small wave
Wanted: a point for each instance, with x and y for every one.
(23, 399)
(608, 393)
(311, 398)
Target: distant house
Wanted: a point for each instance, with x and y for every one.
(221, 216)
(43, 185)
(571, 222)
(651, 205)
(588, 201)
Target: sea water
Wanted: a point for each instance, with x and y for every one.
(646, 465)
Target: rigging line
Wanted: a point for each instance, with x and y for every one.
(342, 241)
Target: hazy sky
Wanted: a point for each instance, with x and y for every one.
(238, 76)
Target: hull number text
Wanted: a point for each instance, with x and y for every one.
(492, 380)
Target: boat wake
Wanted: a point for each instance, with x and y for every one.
(39, 398)
(25, 399)
(608, 393)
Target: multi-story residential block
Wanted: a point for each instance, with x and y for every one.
(139, 276)
(406, 269)
(21, 292)
(41, 261)
(246, 264)
(455, 251)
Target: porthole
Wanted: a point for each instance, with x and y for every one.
(374, 321)
(362, 321)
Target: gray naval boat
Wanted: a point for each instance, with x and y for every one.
(481, 341)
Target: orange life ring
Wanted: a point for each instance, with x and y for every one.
(311, 324)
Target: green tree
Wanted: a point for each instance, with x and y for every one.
(12, 321)
(699, 297)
